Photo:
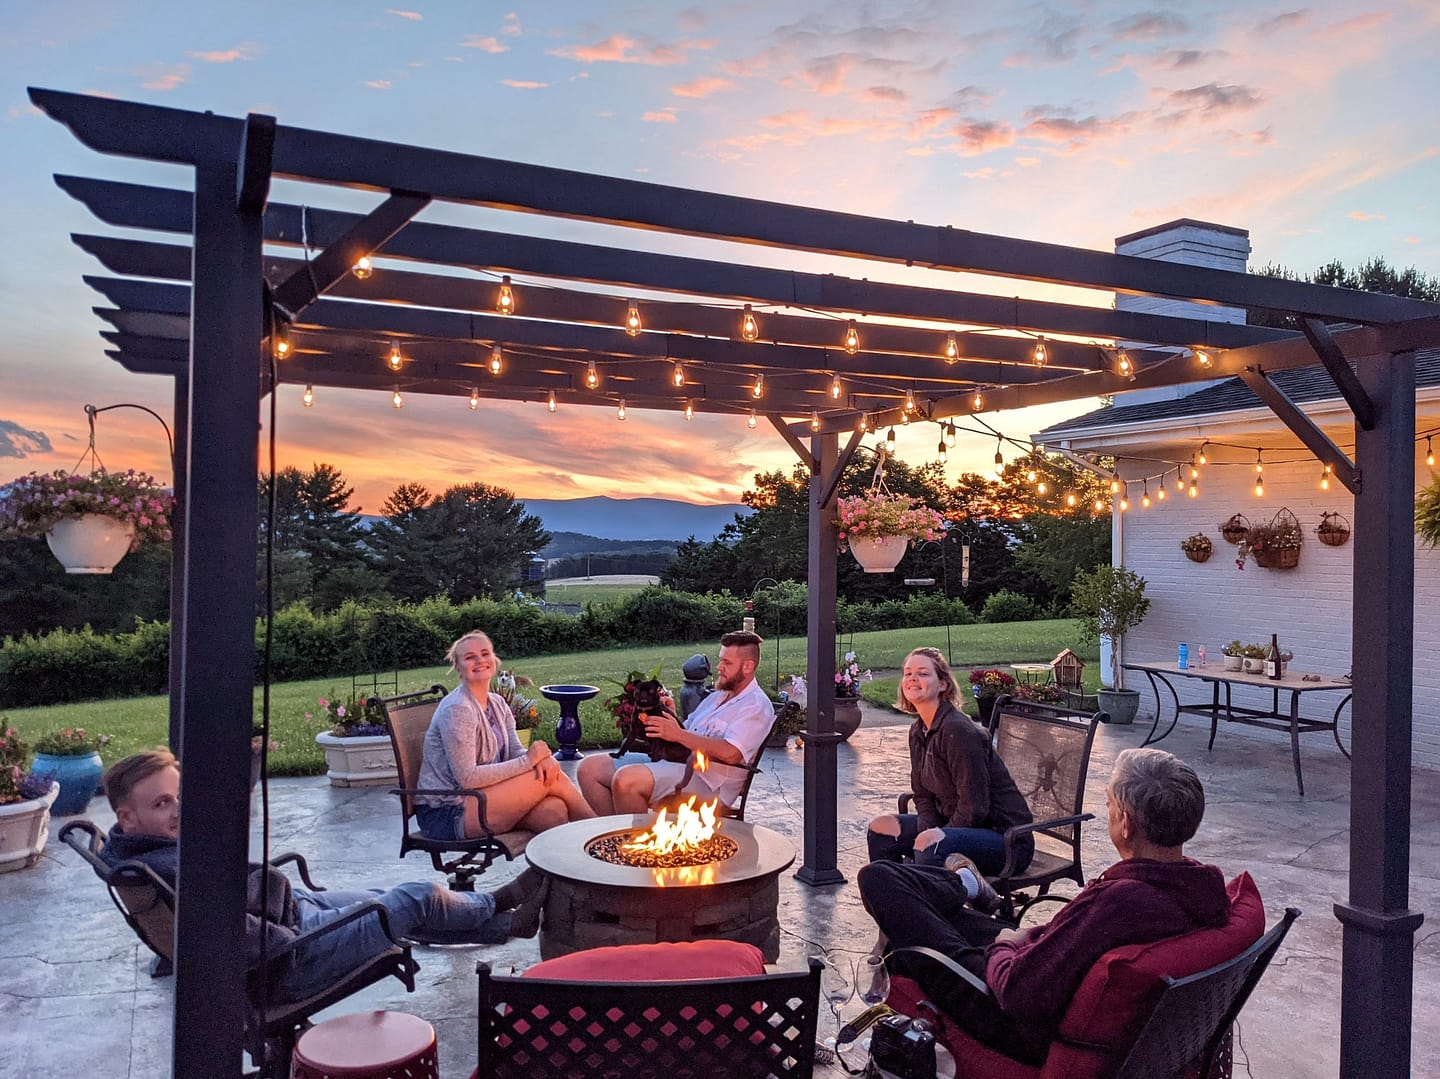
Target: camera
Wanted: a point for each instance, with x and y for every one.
(904, 1047)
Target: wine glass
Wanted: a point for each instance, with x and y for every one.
(872, 979)
(836, 987)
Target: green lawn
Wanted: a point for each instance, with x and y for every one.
(139, 722)
(589, 592)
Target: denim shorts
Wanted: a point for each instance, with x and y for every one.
(441, 822)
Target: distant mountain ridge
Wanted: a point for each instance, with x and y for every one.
(657, 519)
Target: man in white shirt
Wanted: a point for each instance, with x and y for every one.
(727, 726)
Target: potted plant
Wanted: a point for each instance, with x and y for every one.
(877, 527)
(526, 710)
(789, 720)
(1198, 547)
(90, 522)
(25, 801)
(848, 677)
(1277, 545)
(1234, 654)
(1333, 530)
(1110, 601)
(71, 757)
(1427, 512)
(357, 745)
(1254, 658)
(988, 685)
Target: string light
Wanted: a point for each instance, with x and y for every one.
(1030, 476)
(1127, 366)
(309, 397)
(363, 268)
(592, 376)
(904, 418)
(1124, 504)
(505, 302)
(1042, 487)
(1194, 472)
(1179, 479)
(1259, 486)
(396, 360)
(814, 420)
(910, 400)
(550, 405)
(852, 338)
(474, 398)
(1070, 500)
(1429, 451)
(1160, 494)
(1203, 358)
(1194, 491)
(952, 348)
(1145, 495)
(677, 376)
(1114, 487)
(1259, 465)
(1325, 478)
(1099, 505)
(282, 347)
(1202, 458)
(757, 391)
(978, 401)
(940, 449)
(497, 360)
(1040, 354)
(750, 423)
(950, 435)
(397, 400)
(890, 440)
(632, 320)
(749, 328)
(864, 423)
(999, 459)
(620, 412)
(689, 410)
(835, 388)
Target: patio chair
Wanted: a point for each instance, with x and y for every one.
(407, 718)
(1047, 752)
(1149, 1011)
(664, 1011)
(147, 904)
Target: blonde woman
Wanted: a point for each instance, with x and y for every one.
(472, 744)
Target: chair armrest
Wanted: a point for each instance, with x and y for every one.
(1021, 830)
(351, 914)
(451, 792)
(970, 980)
(301, 866)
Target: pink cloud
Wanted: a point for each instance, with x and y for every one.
(884, 94)
(413, 16)
(1212, 100)
(484, 44)
(164, 77)
(702, 87)
(1285, 21)
(378, 84)
(247, 50)
(512, 25)
(619, 49)
(524, 84)
(1360, 215)
(1342, 31)
(662, 116)
(981, 136)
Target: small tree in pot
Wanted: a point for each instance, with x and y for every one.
(1109, 602)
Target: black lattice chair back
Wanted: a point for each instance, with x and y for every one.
(532, 1028)
(1188, 1033)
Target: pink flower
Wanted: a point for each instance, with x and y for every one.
(340, 711)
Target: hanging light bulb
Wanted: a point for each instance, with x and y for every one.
(632, 320)
(474, 398)
(1325, 478)
(363, 268)
(999, 459)
(978, 401)
(852, 338)
(1259, 486)
(677, 376)
(1429, 451)
(749, 328)
(952, 348)
(1194, 472)
(757, 391)
(396, 360)
(397, 400)
(592, 376)
(1042, 487)
(836, 389)
(309, 397)
(904, 418)
(1114, 487)
(282, 346)
(1099, 505)
(1203, 358)
(1070, 500)
(497, 360)
(814, 420)
(910, 400)
(1040, 354)
(620, 412)
(1259, 464)
(1179, 479)
(890, 440)
(1030, 476)
(1202, 458)
(950, 435)
(505, 302)
(1125, 365)
(864, 423)
(750, 423)
(550, 405)
(689, 410)
(1194, 490)
(1145, 495)
(1124, 504)
(1160, 494)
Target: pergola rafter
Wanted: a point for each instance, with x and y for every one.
(208, 312)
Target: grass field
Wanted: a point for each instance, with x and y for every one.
(583, 592)
(138, 722)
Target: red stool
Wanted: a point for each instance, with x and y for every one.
(369, 1045)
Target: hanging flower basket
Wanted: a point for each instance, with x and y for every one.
(1333, 530)
(877, 527)
(1235, 530)
(1277, 544)
(878, 554)
(1198, 547)
(90, 543)
(90, 522)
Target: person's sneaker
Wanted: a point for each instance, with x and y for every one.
(984, 898)
(525, 919)
(516, 892)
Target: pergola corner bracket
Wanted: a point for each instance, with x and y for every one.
(1326, 347)
(832, 480)
(801, 450)
(1316, 440)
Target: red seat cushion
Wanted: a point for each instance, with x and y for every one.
(677, 961)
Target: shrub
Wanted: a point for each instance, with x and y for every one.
(1007, 606)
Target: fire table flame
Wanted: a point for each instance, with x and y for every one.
(692, 825)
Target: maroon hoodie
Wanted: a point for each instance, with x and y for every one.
(1133, 902)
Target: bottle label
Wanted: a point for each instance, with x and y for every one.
(1270, 671)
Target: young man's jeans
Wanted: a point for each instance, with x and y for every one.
(417, 909)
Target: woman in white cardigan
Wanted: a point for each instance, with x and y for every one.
(472, 744)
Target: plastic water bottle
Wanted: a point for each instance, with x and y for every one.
(1184, 659)
(1202, 655)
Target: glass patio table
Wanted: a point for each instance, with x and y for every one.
(1274, 718)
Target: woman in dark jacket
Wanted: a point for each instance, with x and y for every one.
(963, 795)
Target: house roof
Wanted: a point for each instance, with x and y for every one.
(1301, 384)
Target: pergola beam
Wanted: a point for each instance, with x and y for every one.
(1304, 428)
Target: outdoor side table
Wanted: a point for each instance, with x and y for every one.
(367, 1045)
(1035, 673)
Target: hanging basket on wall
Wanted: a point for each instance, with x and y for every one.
(1333, 530)
(1277, 545)
(1236, 530)
(1198, 547)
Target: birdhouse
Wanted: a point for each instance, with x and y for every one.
(1069, 669)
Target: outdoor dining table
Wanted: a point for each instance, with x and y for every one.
(1293, 682)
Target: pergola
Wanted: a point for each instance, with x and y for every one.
(235, 280)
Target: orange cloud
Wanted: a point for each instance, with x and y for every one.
(413, 16)
(619, 49)
(662, 116)
(247, 50)
(524, 84)
(164, 77)
(702, 87)
(1360, 215)
(981, 136)
(484, 44)
(512, 25)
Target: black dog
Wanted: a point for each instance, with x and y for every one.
(638, 700)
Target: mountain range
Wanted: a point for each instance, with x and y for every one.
(633, 518)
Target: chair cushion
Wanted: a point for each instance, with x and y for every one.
(973, 1059)
(678, 961)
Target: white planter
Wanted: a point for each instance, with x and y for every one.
(90, 543)
(878, 554)
(1232, 663)
(24, 827)
(1253, 666)
(358, 762)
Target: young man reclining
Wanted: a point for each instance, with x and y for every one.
(1155, 803)
(144, 791)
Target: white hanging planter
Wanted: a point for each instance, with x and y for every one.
(878, 554)
(24, 827)
(90, 543)
(358, 762)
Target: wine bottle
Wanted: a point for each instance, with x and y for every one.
(1272, 659)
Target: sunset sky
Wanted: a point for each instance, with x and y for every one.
(1311, 125)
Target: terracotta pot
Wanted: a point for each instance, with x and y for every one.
(24, 827)
(90, 543)
(878, 554)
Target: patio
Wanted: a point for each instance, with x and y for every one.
(81, 1000)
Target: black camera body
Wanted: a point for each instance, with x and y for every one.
(904, 1047)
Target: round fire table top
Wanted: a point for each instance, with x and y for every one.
(561, 852)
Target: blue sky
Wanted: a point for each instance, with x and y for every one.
(1312, 126)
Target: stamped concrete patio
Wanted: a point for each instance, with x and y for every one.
(79, 1001)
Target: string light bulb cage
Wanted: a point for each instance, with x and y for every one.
(878, 526)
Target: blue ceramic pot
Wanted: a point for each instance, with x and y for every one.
(78, 778)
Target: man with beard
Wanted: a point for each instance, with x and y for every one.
(727, 726)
